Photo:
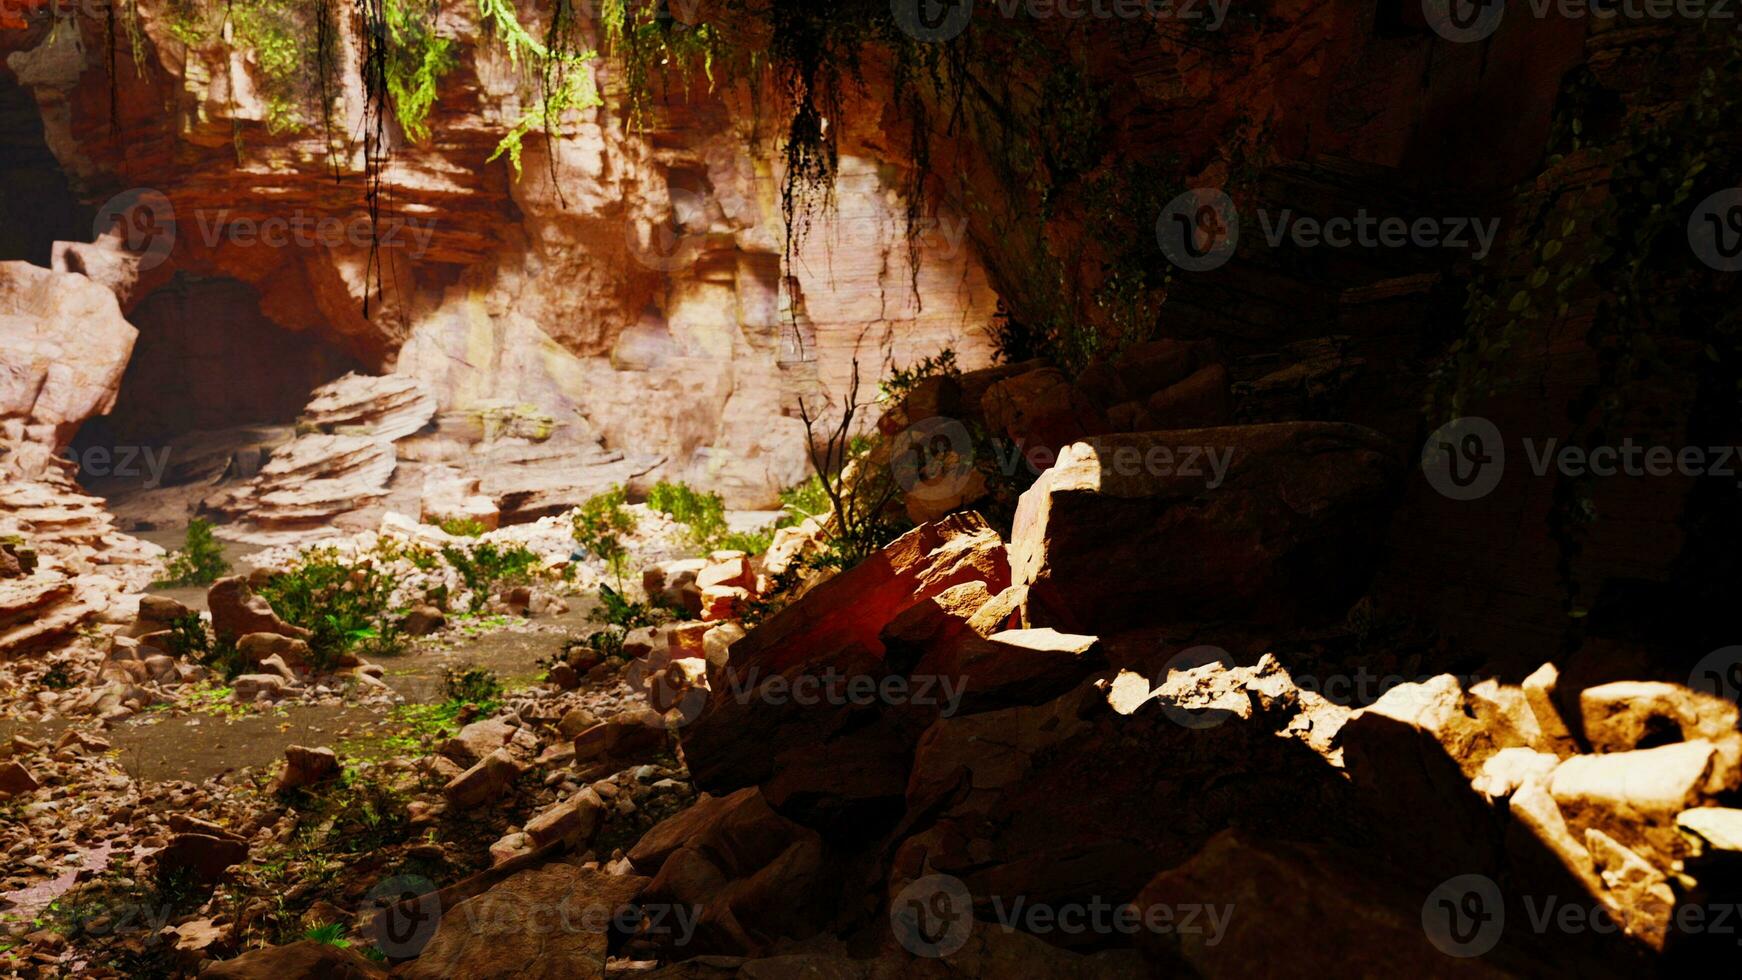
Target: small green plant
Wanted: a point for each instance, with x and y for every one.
(199, 562)
(618, 614)
(802, 502)
(599, 527)
(704, 513)
(750, 542)
(617, 609)
(901, 381)
(478, 687)
(328, 934)
(462, 527)
(485, 568)
(56, 678)
(864, 500)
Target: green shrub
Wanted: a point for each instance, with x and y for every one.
(803, 502)
(904, 380)
(750, 542)
(328, 934)
(478, 687)
(462, 527)
(485, 567)
(189, 638)
(618, 614)
(199, 562)
(345, 606)
(704, 514)
(616, 609)
(600, 524)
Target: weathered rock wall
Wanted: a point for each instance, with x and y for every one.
(628, 282)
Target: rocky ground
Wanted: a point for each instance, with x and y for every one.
(924, 765)
(1134, 732)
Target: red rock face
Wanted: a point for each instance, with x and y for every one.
(628, 283)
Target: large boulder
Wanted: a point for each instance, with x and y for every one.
(1058, 802)
(1246, 907)
(237, 612)
(753, 875)
(1264, 523)
(549, 923)
(311, 481)
(63, 348)
(1009, 668)
(1041, 411)
(305, 767)
(202, 856)
(302, 960)
(488, 779)
(833, 632)
(1627, 715)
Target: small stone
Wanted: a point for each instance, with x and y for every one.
(305, 767)
(488, 779)
(15, 779)
(423, 621)
(576, 721)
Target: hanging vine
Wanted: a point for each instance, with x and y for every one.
(374, 31)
